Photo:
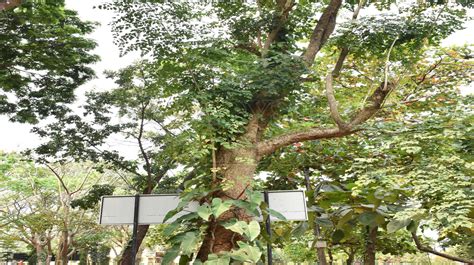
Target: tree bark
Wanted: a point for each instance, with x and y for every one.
(370, 246)
(237, 168)
(320, 250)
(322, 31)
(126, 258)
(40, 254)
(9, 4)
(350, 258)
(63, 249)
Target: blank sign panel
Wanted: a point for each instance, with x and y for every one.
(118, 210)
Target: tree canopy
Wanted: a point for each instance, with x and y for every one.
(44, 57)
(231, 90)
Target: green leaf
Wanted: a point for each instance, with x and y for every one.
(170, 228)
(368, 218)
(324, 222)
(276, 214)
(213, 259)
(346, 218)
(412, 226)
(170, 214)
(246, 253)
(204, 211)
(170, 256)
(251, 208)
(395, 225)
(219, 207)
(184, 260)
(300, 229)
(238, 227)
(255, 197)
(253, 230)
(189, 242)
(337, 236)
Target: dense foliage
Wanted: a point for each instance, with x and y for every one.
(239, 89)
(44, 58)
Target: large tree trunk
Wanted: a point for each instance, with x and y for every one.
(126, 258)
(370, 246)
(237, 168)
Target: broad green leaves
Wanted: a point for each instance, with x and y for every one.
(251, 230)
(395, 225)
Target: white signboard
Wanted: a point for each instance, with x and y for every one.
(290, 203)
(119, 210)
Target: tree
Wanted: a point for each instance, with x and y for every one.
(136, 101)
(402, 171)
(237, 87)
(44, 58)
(37, 206)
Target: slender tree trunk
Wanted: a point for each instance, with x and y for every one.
(331, 258)
(40, 254)
(126, 258)
(350, 258)
(63, 249)
(321, 254)
(370, 246)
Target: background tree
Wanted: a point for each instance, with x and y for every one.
(130, 115)
(44, 56)
(36, 208)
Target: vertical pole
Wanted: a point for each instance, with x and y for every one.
(269, 231)
(316, 230)
(135, 229)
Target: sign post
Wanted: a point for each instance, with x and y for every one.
(135, 228)
(269, 230)
(151, 209)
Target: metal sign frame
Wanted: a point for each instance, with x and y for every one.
(136, 214)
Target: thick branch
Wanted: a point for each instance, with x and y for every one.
(268, 147)
(333, 104)
(432, 251)
(322, 31)
(285, 7)
(345, 50)
(340, 62)
(374, 103)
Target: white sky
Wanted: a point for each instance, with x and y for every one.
(17, 137)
